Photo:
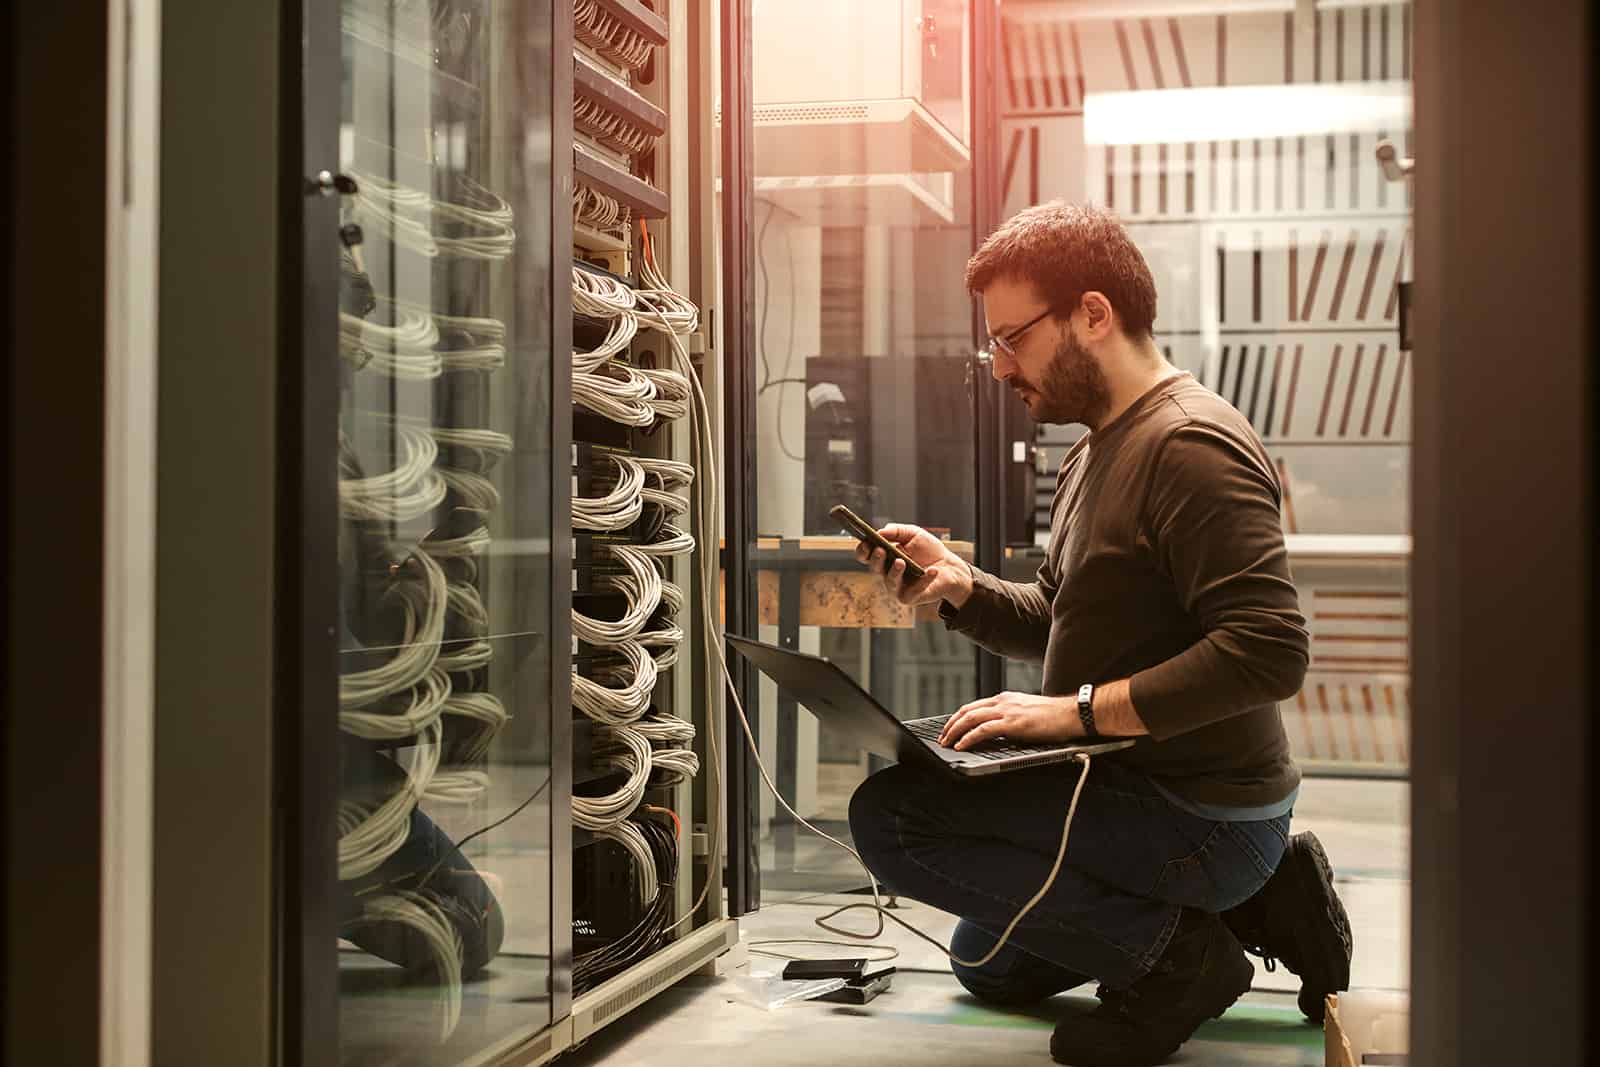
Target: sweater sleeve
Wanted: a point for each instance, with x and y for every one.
(1010, 619)
(1212, 517)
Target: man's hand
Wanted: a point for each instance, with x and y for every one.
(1014, 716)
(948, 577)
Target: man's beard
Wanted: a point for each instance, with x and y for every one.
(1073, 387)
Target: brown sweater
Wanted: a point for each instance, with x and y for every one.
(1167, 565)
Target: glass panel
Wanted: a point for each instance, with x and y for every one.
(444, 546)
(1240, 148)
(865, 392)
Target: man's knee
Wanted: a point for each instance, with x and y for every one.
(872, 808)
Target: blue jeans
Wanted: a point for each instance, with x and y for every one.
(981, 850)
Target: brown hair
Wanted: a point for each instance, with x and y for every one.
(1066, 250)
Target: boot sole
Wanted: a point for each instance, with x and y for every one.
(1324, 943)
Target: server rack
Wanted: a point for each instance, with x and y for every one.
(459, 772)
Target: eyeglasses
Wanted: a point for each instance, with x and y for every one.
(1007, 342)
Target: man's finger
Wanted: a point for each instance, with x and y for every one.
(862, 555)
(898, 533)
(968, 720)
(992, 727)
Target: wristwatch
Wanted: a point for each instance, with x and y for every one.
(1086, 709)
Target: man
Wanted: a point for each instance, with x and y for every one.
(1166, 588)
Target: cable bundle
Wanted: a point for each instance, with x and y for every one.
(423, 604)
(671, 760)
(624, 395)
(368, 835)
(421, 345)
(670, 636)
(422, 913)
(404, 351)
(641, 586)
(483, 708)
(422, 708)
(609, 128)
(671, 399)
(471, 342)
(406, 216)
(600, 212)
(619, 748)
(607, 36)
(411, 489)
(627, 697)
(654, 850)
(620, 506)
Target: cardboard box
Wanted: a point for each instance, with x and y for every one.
(1366, 1027)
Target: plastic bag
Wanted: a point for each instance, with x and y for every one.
(770, 992)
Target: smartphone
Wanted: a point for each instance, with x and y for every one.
(866, 532)
(847, 969)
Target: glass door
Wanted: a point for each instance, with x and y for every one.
(862, 223)
(445, 628)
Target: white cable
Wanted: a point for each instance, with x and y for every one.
(610, 128)
(620, 506)
(466, 602)
(419, 913)
(600, 295)
(484, 708)
(404, 351)
(399, 212)
(671, 393)
(412, 488)
(671, 542)
(467, 546)
(473, 656)
(600, 212)
(426, 704)
(619, 335)
(457, 787)
(664, 728)
(624, 395)
(407, 215)
(370, 835)
(606, 35)
(641, 586)
(626, 700)
(485, 447)
(423, 604)
(474, 491)
(476, 343)
(621, 748)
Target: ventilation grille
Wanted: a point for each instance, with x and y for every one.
(784, 113)
(651, 984)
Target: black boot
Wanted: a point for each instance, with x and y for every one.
(1297, 918)
(1201, 974)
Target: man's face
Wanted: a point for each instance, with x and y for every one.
(1054, 374)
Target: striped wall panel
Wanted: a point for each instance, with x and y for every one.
(1050, 59)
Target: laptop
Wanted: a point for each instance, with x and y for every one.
(834, 697)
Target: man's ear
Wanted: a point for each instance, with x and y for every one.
(1099, 319)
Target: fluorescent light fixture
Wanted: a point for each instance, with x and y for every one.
(1242, 112)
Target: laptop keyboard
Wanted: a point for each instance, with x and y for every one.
(929, 730)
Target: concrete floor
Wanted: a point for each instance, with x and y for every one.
(927, 1019)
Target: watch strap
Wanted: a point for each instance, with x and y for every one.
(1086, 709)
